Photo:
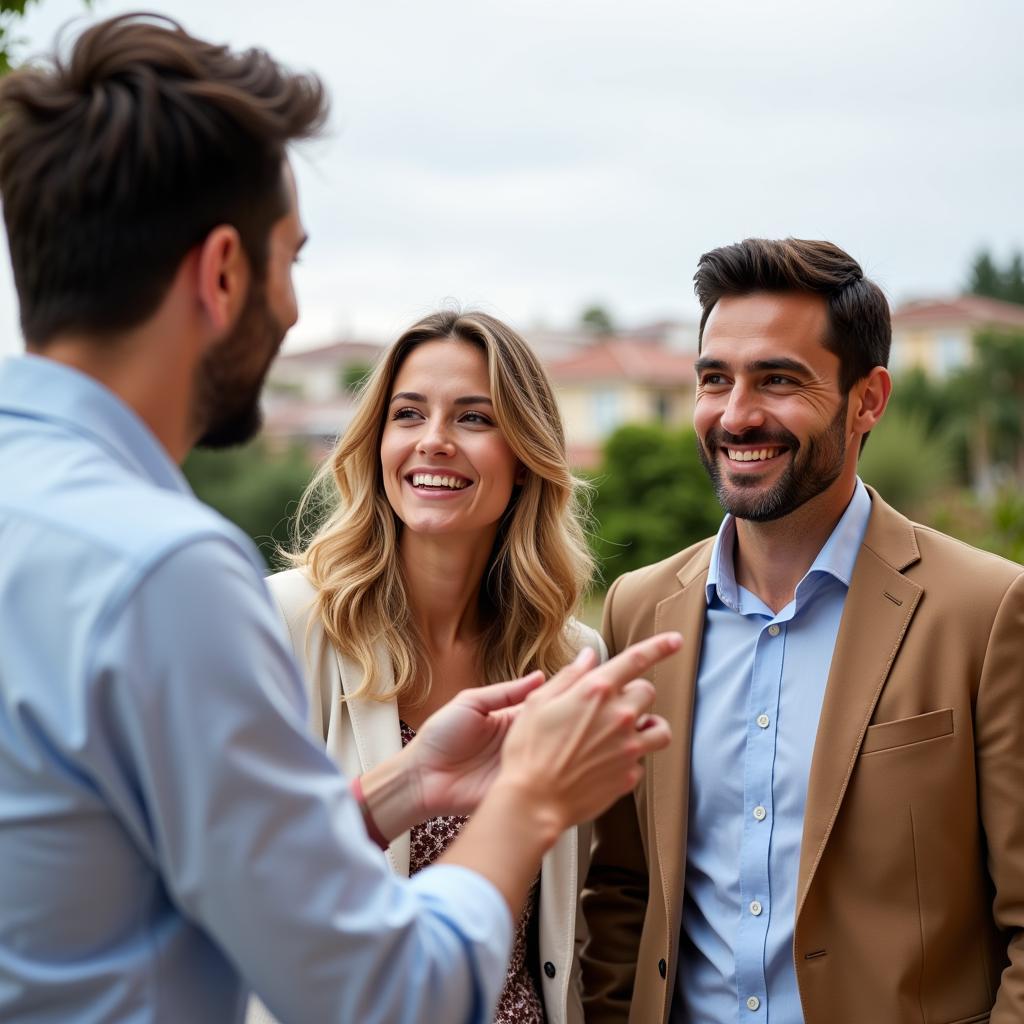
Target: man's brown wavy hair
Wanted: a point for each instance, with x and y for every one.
(859, 326)
(119, 158)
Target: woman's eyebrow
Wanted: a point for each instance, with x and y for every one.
(415, 396)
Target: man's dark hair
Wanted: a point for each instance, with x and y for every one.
(120, 158)
(859, 327)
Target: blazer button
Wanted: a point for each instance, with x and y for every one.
(662, 968)
(549, 968)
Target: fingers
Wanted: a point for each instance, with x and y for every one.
(638, 694)
(502, 695)
(578, 667)
(655, 734)
(634, 661)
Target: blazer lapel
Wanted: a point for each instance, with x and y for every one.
(669, 769)
(377, 733)
(879, 606)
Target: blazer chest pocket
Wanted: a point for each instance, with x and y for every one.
(906, 731)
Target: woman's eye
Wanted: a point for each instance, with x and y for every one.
(405, 414)
(476, 417)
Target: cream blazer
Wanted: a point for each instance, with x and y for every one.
(359, 734)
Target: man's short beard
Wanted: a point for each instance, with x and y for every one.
(230, 378)
(813, 468)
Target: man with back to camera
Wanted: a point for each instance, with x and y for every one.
(836, 836)
(166, 828)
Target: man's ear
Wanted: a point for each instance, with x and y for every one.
(870, 396)
(223, 278)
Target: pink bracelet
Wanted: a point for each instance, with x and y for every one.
(356, 786)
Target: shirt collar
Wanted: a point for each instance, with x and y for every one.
(836, 557)
(39, 388)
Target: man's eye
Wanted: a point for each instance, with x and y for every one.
(778, 380)
(710, 380)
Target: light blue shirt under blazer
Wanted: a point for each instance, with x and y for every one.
(168, 833)
(760, 687)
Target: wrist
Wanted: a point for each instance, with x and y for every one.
(391, 797)
(530, 809)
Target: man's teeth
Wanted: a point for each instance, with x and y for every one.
(433, 480)
(758, 455)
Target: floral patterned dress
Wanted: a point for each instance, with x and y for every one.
(520, 1002)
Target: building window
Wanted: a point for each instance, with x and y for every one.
(662, 407)
(606, 408)
(953, 352)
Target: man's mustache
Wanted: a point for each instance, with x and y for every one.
(716, 437)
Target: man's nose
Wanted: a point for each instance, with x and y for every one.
(743, 410)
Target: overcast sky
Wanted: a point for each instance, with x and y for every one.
(533, 157)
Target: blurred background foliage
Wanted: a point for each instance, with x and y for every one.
(255, 487)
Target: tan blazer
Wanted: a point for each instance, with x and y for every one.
(361, 733)
(910, 899)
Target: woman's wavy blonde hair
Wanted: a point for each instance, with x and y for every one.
(540, 565)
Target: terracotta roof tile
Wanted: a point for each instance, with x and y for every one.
(636, 361)
(972, 310)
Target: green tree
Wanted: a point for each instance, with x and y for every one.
(354, 376)
(1014, 283)
(597, 320)
(907, 462)
(256, 489)
(11, 12)
(986, 277)
(990, 399)
(653, 498)
(942, 410)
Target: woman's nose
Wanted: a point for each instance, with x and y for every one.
(435, 439)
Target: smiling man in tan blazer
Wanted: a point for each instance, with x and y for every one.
(836, 836)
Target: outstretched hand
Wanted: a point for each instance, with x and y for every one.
(457, 751)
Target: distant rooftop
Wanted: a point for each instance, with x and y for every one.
(643, 362)
(334, 352)
(973, 310)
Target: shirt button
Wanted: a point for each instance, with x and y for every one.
(773, 630)
(760, 813)
(753, 1003)
(549, 968)
(764, 721)
(756, 908)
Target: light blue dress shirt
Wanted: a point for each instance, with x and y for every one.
(168, 833)
(760, 687)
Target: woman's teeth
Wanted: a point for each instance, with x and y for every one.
(427, 480)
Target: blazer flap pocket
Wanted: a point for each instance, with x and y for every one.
(905, 731)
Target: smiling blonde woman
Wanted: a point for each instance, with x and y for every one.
(450, 551)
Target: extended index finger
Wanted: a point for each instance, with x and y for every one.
(634, 661)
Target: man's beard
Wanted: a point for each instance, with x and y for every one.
(230, 378)
(813, 467)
